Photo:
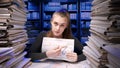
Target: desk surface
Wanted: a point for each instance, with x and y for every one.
(59, 64)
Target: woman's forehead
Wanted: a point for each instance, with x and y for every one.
(60, 19)
(57, 16)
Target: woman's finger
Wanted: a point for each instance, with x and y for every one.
(71, 54)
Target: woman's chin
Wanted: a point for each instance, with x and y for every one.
(57, 35)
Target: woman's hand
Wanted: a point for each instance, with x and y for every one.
(54, 52)
(72, 56)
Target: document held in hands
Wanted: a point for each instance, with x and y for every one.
(51, 43)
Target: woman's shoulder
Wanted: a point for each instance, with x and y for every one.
(43, 33)
(75, 38)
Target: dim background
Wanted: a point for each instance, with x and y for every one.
(40, 12)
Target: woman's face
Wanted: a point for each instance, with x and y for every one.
(58, 25)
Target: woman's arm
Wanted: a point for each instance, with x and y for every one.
(35, 50)
(78, 48)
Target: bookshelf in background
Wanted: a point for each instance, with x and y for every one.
(50, 7)
(40, 12)
(85, 14)
(33, 25)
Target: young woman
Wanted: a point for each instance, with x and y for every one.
(60, 28)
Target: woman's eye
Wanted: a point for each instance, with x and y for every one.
(62, 25)
(55, 23)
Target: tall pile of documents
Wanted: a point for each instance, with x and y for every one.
(13, 36)
(103, 48)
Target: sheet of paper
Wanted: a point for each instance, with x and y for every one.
(51, 43)
(5, 49)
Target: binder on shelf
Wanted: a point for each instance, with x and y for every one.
(85, 15)
(33, 6)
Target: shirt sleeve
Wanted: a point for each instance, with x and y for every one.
(35, 50)
(78, 48)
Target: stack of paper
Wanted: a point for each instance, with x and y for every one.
(113, 55)
(105, 34)
(13, 36)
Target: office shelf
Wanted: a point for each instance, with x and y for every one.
(85, 18)
(33, 20)
(50, 7)
(40, 13)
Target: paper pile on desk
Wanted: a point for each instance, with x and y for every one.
(104, 41)
(13, 36)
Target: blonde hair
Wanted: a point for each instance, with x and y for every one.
(67, 32)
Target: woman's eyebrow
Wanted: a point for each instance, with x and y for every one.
(63, 23)
(59, 22)
(55, 22)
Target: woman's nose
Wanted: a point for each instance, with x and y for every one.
(58, 27)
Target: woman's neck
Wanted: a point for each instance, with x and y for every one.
(58, 36)
(50, 34)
